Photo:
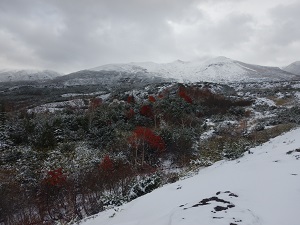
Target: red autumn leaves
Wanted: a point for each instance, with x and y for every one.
(182, 93)
(143, 135)
(55, 177)
(107, 164)
(151, 98)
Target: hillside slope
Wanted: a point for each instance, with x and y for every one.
(260, 188)
(293, 68)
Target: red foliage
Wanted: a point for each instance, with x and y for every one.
(107, 164)
(95, 102)
(151, 98)
(147, 135)
(56, 177)
(130, 99)
(184, 95)
(146, 110)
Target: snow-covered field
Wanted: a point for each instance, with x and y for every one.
(263, 187)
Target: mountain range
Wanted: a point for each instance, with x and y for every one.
(219, 70)
(8, 75)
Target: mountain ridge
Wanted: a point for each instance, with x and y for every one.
(219, 69)
(12, 75)
(293, 68)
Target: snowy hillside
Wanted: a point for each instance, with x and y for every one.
(263, 187)
(293, 68)
(109, 78)
(27, 75)
(220, 69)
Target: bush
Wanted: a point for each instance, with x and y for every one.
(145, 185)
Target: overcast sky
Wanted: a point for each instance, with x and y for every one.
(70, 35)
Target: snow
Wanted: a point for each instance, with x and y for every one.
(297, 95)
(57, 106)
(293, 68)
(68, 95)
(264, 101)
(247, 68)
(7, 75)
(219, 69)
(260, 188)
(208, 70)
(207, 134)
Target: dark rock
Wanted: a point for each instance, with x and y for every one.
(233, 195)
(220, 208)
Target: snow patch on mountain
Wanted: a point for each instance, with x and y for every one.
(219, 69)
(293, 68)
(261, 188)
(7, 75)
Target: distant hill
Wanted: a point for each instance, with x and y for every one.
(27, 75)
(293, 68)
(220, 69)
(111, 78)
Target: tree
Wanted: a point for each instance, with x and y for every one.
(182, 93)
(146, 141)
(107, 164)
(151, 98)
(146, 110)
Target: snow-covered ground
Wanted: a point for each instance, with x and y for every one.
(57, 106)
(263, 187)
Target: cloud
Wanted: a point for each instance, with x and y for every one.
(278, 42)
(70, 35)
(285, 28)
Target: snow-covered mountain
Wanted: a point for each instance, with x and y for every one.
(27, 75)
(109, 78)
(293, 68)
(220, 69)
(261, 188)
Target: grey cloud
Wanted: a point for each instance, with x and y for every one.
(70, 35)
(233, 31)
(279, 42)
(285, 27)
(84, 33)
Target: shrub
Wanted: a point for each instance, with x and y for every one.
(145, 185)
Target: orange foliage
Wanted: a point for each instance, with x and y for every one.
(151, 98)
